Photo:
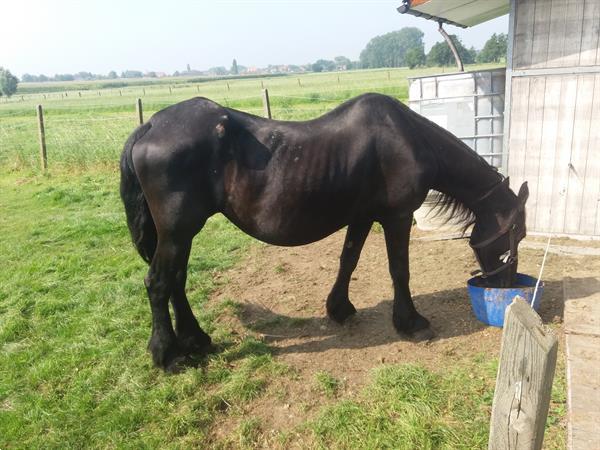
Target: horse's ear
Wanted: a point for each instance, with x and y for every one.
(222, 126)
(523, 193)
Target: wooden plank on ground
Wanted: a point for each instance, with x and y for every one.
(524, 382)
(582, 305)
(582, 325)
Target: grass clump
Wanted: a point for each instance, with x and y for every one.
(327, 383)
(408, 407)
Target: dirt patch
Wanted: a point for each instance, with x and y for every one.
(283, 292)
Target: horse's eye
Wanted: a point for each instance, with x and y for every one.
(504, 256)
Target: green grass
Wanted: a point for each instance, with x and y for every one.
(74, 323)
(409, 407)
(327, 383)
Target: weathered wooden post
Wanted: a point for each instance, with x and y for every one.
(139, 110)
(266, 103)
(42, 133)
(524, 382)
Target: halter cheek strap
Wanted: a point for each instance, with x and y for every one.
(509, 261)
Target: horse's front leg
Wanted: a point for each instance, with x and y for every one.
(406, 318)
(339, 307)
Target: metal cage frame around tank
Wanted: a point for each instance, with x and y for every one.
(482, 92)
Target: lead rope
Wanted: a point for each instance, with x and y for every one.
(537, 284)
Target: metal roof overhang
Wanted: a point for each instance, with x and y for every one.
(462, 13)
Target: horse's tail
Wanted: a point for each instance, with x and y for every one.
(139, 220)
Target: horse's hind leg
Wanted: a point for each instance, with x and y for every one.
(190, 337)
(405, 316)
(339, 307)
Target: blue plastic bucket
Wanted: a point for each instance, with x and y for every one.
(489, 304)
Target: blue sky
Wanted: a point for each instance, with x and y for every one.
(66, 36)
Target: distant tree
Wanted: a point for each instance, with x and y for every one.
(219, 71)
(42, 78)
(441, 55)
(132, 74)
(415, 57)
(63, 77)
(28, 78)
(473, 54)
(188, 68)
(8, 82)
(389, 50)
(234, 67)
(342, 63)
(112, 75)
(494, 50)
(323, 65)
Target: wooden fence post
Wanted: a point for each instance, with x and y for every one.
(139, 110)
(42, 132)
(266, 104)
(524, 382)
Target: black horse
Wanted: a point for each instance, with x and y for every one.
(291, 183)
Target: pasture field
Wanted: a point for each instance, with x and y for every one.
(90, 129)
(74, 322)
(74, 318)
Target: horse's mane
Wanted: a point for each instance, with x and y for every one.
(453, 211)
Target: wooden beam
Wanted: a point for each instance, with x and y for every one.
(524, 382)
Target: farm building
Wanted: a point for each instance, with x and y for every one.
(549, 134)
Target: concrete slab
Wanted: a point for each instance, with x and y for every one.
(582, 325)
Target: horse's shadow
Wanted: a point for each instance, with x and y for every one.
(449, 312)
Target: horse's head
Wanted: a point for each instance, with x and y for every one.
(496, 248)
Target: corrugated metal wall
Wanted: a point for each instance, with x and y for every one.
(554, 113)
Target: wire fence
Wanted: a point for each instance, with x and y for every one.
(88, 128)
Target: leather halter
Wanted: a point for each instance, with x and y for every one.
(512, 252)
(512, 257)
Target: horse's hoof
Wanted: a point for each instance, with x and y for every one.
(424, 335)
(341, 311)
(416, 328)
(164, 351)
(177, 365)
(198, 343)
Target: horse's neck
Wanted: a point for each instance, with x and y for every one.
(465, 176)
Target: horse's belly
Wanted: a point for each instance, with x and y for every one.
(300, 225)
